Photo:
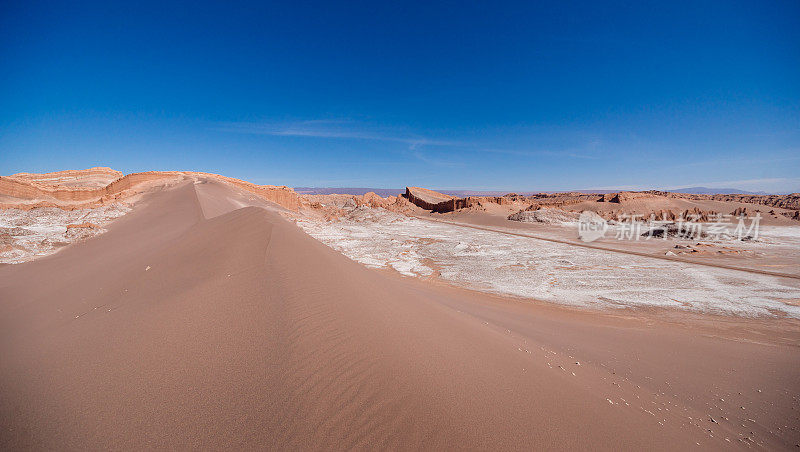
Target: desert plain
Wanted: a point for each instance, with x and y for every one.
(192, 310)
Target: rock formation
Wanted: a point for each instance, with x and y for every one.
(89, 178)
(64, 189)
(640, 203)
(430, 200)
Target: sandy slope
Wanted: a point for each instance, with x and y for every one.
(196, 322)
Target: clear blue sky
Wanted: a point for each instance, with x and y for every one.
(479, 95)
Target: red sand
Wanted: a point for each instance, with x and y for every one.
(194, 324)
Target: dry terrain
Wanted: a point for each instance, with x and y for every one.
(208, 312)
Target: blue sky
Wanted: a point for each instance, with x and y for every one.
(459, 95)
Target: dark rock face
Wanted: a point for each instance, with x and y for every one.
(793, 215)
(429, 199)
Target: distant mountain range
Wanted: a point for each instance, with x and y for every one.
(384, 192)
(717, 191)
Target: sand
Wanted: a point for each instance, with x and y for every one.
(202, 321)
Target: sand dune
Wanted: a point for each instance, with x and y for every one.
(89, 188)
(204, 319)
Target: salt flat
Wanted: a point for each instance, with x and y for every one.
(525, 267)
(42, 231)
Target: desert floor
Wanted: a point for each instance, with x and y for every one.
(205, 318)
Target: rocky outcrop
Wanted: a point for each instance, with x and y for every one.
(740, 212)
(624, 196)
(373, 200)
(794, 215)
(694, 214)
(88, 178)
(333, 207)
(429, 199)
(23, 189)
(439, 202)
(545, 216)
(86, 225)
(791, 201)
(24, 192)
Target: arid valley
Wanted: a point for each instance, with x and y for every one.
(399, 226)
(183, 309)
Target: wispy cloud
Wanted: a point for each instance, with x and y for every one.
(761, 159)
(541, 153)
(769, 185)
(352, 130)
(334, 129)
(449, 163)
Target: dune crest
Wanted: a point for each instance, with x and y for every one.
(62, 189)
(39, 212)
(230, 327)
